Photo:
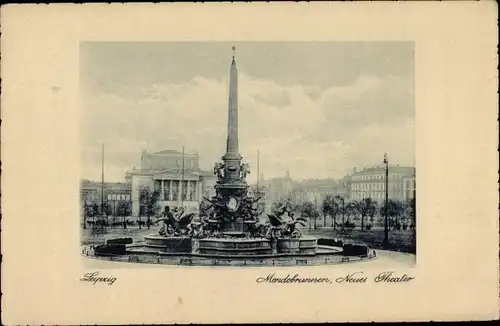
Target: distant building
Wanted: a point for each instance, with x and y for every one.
(370, 183)
(114, 192)
(278, 189)
(409, 187)
(163, 171)
(261, 192)
(316, 190)
(344, 187)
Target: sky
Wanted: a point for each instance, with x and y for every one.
(316, 109)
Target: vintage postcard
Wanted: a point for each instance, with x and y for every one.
(186, 164)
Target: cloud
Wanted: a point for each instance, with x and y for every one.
(312, 131)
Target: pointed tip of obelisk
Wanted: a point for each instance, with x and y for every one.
(234, 56)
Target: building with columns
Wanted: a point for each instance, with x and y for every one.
(176, 175)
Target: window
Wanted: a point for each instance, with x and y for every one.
(157, 184)
(175, 190)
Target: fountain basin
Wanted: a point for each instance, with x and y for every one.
(234, 247)
(231, 246)
(175, 244)
(325, 255)
(303, 245)
(288, 245)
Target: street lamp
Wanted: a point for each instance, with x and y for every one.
(386, 226)
(343, 212)
(340, 198)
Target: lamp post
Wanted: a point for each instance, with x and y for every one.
(386, 226)
(343, 212)
(341, 199)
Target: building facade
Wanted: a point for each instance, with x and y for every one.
(114, 193)
(344, 187)
(315, 191)
(277, 189)
(175, 175)
(261, 192)
(370, 183)
(409, 187)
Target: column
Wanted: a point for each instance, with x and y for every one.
(179, 192)
(188, 191)
(170, 192)
(162, 192)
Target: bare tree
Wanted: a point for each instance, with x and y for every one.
(327, 208)
(149, 201)
(307, 209)
(124, 210)
(365, 207)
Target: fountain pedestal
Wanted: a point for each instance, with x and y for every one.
(232, 228)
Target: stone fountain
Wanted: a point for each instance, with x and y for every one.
(231, 233)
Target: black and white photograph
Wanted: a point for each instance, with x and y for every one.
(248, 153)
(213, 163)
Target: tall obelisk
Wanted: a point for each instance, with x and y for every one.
(232, 158)
(232, 128)
(232, 189)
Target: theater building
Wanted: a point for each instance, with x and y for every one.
(176, 175)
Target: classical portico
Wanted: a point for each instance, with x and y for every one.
(160, 171)
(178, 189)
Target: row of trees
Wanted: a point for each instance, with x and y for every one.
(401, 214)
(122, 209)
(149, 206)
(332, 207)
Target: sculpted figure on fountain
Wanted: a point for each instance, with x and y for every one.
(196, 230)
(259, 230)
(284, 226)
(244, 171)
(218, 169)
(175, 226)
(249, 210)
